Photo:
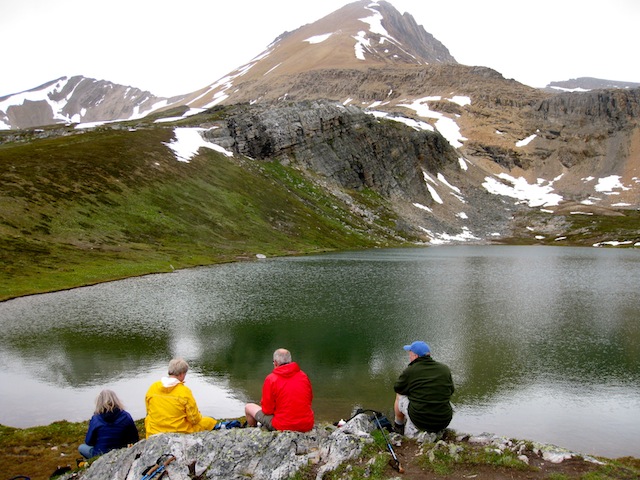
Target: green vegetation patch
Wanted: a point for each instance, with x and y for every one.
(115, 203)
(626, 468)
(443, 458)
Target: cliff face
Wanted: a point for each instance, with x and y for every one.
(347, 150)
(611, 109)
(342, 144)
(588, 135)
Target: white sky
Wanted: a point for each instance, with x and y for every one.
(176, 47)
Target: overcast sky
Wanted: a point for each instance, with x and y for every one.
(176, 47)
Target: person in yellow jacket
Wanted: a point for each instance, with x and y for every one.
(171, 406)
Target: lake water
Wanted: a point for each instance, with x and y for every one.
(543, 342)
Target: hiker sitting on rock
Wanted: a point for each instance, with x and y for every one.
(110, 427)
(423, 393)
(286, 398)
(171, 406)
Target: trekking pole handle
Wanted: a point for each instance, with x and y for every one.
(158, 468)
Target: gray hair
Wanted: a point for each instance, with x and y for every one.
(282, 356)
(178, 366)
(107, 401)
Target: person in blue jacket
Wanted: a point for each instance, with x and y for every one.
(111, 427)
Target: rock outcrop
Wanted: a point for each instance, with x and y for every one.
(340, 143)
(260, 455)
(347, 150)
(237, 453)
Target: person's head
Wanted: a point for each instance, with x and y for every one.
(418, 349)
(178, 367)
(281, 357)
(107, 401)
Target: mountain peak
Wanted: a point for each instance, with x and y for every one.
(364, 33)
(359, 35)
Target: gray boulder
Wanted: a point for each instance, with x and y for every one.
(237, 453)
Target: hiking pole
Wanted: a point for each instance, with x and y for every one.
(158, 468)
(394, 462)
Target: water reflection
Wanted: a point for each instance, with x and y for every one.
(543, 342)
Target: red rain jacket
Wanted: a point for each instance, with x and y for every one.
(287, 395)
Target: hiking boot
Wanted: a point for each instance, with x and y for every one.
(398, 427)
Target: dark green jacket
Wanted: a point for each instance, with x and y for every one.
(429, 386)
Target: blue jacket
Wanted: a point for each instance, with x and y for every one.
(111, 430)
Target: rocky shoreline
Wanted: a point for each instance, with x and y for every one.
(242, 453)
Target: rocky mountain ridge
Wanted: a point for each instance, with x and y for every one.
(325, 97)
(589, 83)
(77, 99)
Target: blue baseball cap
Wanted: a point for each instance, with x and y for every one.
(419, 348)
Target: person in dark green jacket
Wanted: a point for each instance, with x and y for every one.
(423, 393)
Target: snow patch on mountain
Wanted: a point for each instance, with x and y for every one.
(606, 185)
(446, 126)
(375, 23)
(461, 100)
(422, 207)
(456, 192)
(188, 141)
(561, 89)
(318, 38)
(443, 238)
(415, 124)
(430, 182)
(526, 141)
(226, 83)
(535, 195)
(444, 180)
(188, 113)
(363, 43)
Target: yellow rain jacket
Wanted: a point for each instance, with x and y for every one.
(172, 408)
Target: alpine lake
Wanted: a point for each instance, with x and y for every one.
(543, 342)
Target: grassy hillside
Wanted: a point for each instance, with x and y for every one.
(82, 207)
(114, 202)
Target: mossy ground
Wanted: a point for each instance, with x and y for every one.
(37, 452)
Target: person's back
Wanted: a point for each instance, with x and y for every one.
(428, 386)
(286, 397)
(115, 429)
(110, 427)
(423, 392)
(171, 406)
(289, 399)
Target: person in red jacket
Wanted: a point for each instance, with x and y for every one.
(286, 398)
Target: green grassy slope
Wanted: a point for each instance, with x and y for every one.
(113, 203)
